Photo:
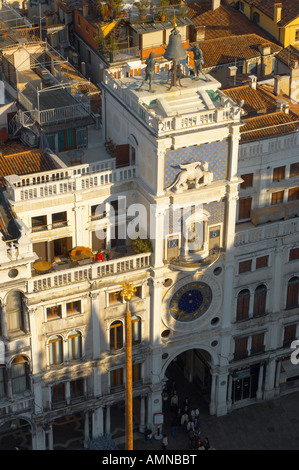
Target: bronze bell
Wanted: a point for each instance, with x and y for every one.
(175, 50)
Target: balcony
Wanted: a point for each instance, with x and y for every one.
(68, 273)
(247, 233)
(63, 181)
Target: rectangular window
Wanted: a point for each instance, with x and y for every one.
(245, 266)
(245, 208)
(98, 211)
(294, 170)
(289, 335)
(136, 372)
(115, 297)
(277, 197)
(77, 388)
(294, 254)
(257, 343)
(241, 348)
(116, 377)
(59, 219)
(247, 181)
(279, 173)
(39, 223)
(293, 194)
(261, 262)
(73, 307)
(54, 312)
(75, 346)
(58, 393)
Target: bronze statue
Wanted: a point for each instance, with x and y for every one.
(149, 70)
(198, 61)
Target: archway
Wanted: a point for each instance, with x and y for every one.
(15, 434)
(189, 373)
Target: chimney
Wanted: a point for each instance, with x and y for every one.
(252, 81)
(85, 9)
(277, 12)
(277, 85)
(215, 4)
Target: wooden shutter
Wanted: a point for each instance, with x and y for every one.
(257, 343)
(241, 347)
(243, 305)
(289, 334)
(260, 294)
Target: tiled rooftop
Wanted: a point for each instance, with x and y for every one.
(16, 159)
(288, 56)
(222, 22)
(217, 51)
(255, 101)
(268, 125)
(289, 11)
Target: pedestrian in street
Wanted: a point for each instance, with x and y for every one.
(206, 443)
(184, 420)
(174, 401)
(164, 442)
(191, 439)
(174, 426)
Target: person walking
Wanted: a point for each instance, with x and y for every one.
(164, 442)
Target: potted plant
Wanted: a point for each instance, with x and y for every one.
(162, 6)
(141, 245)
(142, 6)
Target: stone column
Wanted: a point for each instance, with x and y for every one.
(3, 320)
(229, 392)
(277, 377)
(95, 320)
(259, 392)
(86, 429)
(107, 420)
(97, 423)
(221, 393)
(269, 380)
(213, 394)
(142, 414)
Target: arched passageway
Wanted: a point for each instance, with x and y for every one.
(16, 435)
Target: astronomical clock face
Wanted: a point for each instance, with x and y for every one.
(190, 301)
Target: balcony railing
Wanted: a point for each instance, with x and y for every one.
(272, 230)
(91, 272)
(63, 181)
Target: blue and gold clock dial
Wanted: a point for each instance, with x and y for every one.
(190, 301)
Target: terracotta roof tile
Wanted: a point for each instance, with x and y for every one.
(217, 51)
(23, 163)
(289, 11)
(222, 22)
(268, 125)
(255, 101)
(288, 56)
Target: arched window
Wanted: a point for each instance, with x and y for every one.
(14, 311)
(116, 335)
(55, 350)
(292, 292)
(260, 295)
(19, 374)
(136, 330)
(75, 345)
(243, 304)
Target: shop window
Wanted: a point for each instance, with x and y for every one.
(243, 305)
(116, 336)
(292, 292)
(20, 374)
(260, 296)
(55, 350)
(245, 266)
(3, 382)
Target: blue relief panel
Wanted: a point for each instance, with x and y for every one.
(216, 153)
(216, 210)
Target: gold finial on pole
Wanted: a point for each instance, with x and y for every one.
(127, 291)
(174, 22)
